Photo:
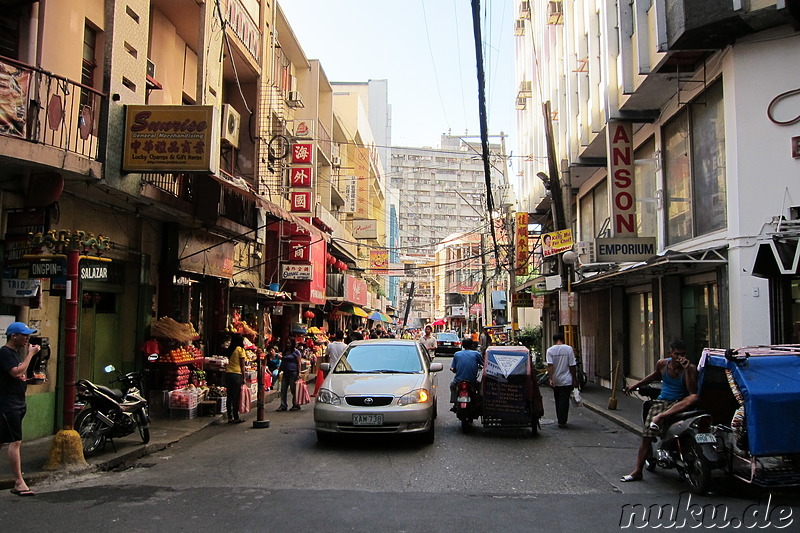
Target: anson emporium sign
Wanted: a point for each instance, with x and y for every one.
(624, 249)
(171, 138)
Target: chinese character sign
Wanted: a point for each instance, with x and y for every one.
(302, 153)
(300, 177)
(300, 200)
(299, 251)
(522, 244)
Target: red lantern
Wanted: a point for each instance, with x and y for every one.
(308, 314)
(331, 260)
(344, 265)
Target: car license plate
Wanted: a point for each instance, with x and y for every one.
(464, 399)
(367, 420)
(705, 438)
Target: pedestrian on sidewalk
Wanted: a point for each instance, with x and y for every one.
(561, 368)
(290, 366)
(234, 376)
(15, 357)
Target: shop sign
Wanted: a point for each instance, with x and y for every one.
(379, 259)
(365, 229)
(311, 290)
(568, 308)
(622, 250)
(300, 251)
(359, 156)
(457, 310)
(522, 299)
(350, 194)
(181, 281)
(300, 201)
(557, 242)
(93, 271)
(203, 253)
(355, 290)
(522, 244)
(295, 229)
(303, 153)
(304, 129)
(538, 302)
(19, 225)
(300, 176)
(620, 168)
(47, 269)
(171, 138)
(292, 271)
(21, 288)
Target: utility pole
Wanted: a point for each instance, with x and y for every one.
(408, 305)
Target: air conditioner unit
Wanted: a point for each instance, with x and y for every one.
(555, 13)
(525, 9)
(519, 27)
(151, 69)
(336, 161)
(295, 99)
(231, 123)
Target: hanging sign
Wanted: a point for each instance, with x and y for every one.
(620, 168)
(557, 242)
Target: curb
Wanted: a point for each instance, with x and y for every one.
(617, 419)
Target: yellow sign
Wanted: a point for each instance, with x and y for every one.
(180, 138)
(556, 242)
(379, 259)
(522, 244)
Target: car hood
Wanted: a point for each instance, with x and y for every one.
(374, 384)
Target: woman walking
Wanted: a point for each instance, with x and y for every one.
(234, 376)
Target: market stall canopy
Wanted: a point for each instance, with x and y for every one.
(439, 322)
(353, 310)
(377, 315)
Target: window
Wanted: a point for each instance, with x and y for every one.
(645, 184)
(10, 32)
(694, 160)
(88, 64)
(594, 212)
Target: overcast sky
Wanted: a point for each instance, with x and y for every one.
(426, 49)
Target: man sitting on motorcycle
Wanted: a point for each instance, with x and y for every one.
(465, 366)
(678, 392)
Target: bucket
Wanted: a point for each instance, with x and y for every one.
(275, 287)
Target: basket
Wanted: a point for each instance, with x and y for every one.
(183, 399)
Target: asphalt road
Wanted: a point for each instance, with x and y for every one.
(235, 478)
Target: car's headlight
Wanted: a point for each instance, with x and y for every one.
(415, 396)
(327, 396)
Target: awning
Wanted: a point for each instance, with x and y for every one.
(777, 257)
(669, 262)
(353, 310)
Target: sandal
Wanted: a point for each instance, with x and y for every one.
(628, 478)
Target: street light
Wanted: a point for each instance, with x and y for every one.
(570, 259)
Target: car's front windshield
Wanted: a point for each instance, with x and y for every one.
(380, 358)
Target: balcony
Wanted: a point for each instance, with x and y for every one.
(241, 23)
(47, 109)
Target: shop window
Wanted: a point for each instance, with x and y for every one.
(694, 161)
(640, 334)
(645, 184)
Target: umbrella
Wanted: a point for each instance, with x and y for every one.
(439, 322)
(377, 315)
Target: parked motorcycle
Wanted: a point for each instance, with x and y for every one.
(686, 444)
(111, 413)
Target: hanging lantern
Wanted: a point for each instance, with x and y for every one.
(344, 266)
(330, 260)
(308, 314)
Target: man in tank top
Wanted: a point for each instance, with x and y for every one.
(678, 392)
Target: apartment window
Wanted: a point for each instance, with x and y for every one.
(594, 212)
(694, 160)
(9, 32)
(88, 63)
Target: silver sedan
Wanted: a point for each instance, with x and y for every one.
(378, 386)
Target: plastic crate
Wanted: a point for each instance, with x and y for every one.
(185, 414)
(183, 399)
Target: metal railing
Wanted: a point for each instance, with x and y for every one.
(45, 108)
(178, 185)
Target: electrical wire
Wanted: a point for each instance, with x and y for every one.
(433, 63)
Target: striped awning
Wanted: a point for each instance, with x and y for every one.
(353, 310)
(377, 315)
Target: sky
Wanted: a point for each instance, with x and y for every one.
(426, 51)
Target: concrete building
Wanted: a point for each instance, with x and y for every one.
(672, 138)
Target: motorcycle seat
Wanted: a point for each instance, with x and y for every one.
(114, 393)
(686, 414)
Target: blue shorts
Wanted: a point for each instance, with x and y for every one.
(11, 424)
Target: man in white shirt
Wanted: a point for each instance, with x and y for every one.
(561, 367)
(429, 341)
(336, 348)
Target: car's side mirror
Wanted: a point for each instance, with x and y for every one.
(325, 367)
(436, 367)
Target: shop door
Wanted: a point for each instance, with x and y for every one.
(640, 337)
(98, 341)
(701, 319)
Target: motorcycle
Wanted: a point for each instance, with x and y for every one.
(111, 413)
(686, 443)
(468, 404)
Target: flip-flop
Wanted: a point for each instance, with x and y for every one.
(628, 478)
(26, 492)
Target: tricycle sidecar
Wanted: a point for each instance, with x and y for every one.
(510, 394)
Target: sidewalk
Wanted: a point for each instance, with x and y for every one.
(164, 432)
(628, 413)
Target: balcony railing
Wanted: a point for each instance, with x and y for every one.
(242, 24)
(324, 142)
(45, 108)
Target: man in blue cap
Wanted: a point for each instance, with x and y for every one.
(15, 357)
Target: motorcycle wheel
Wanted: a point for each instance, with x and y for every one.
(698, 469)
(650, 464)
(466, 424)
(89, 428)
(534, 426)
(143, 425)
